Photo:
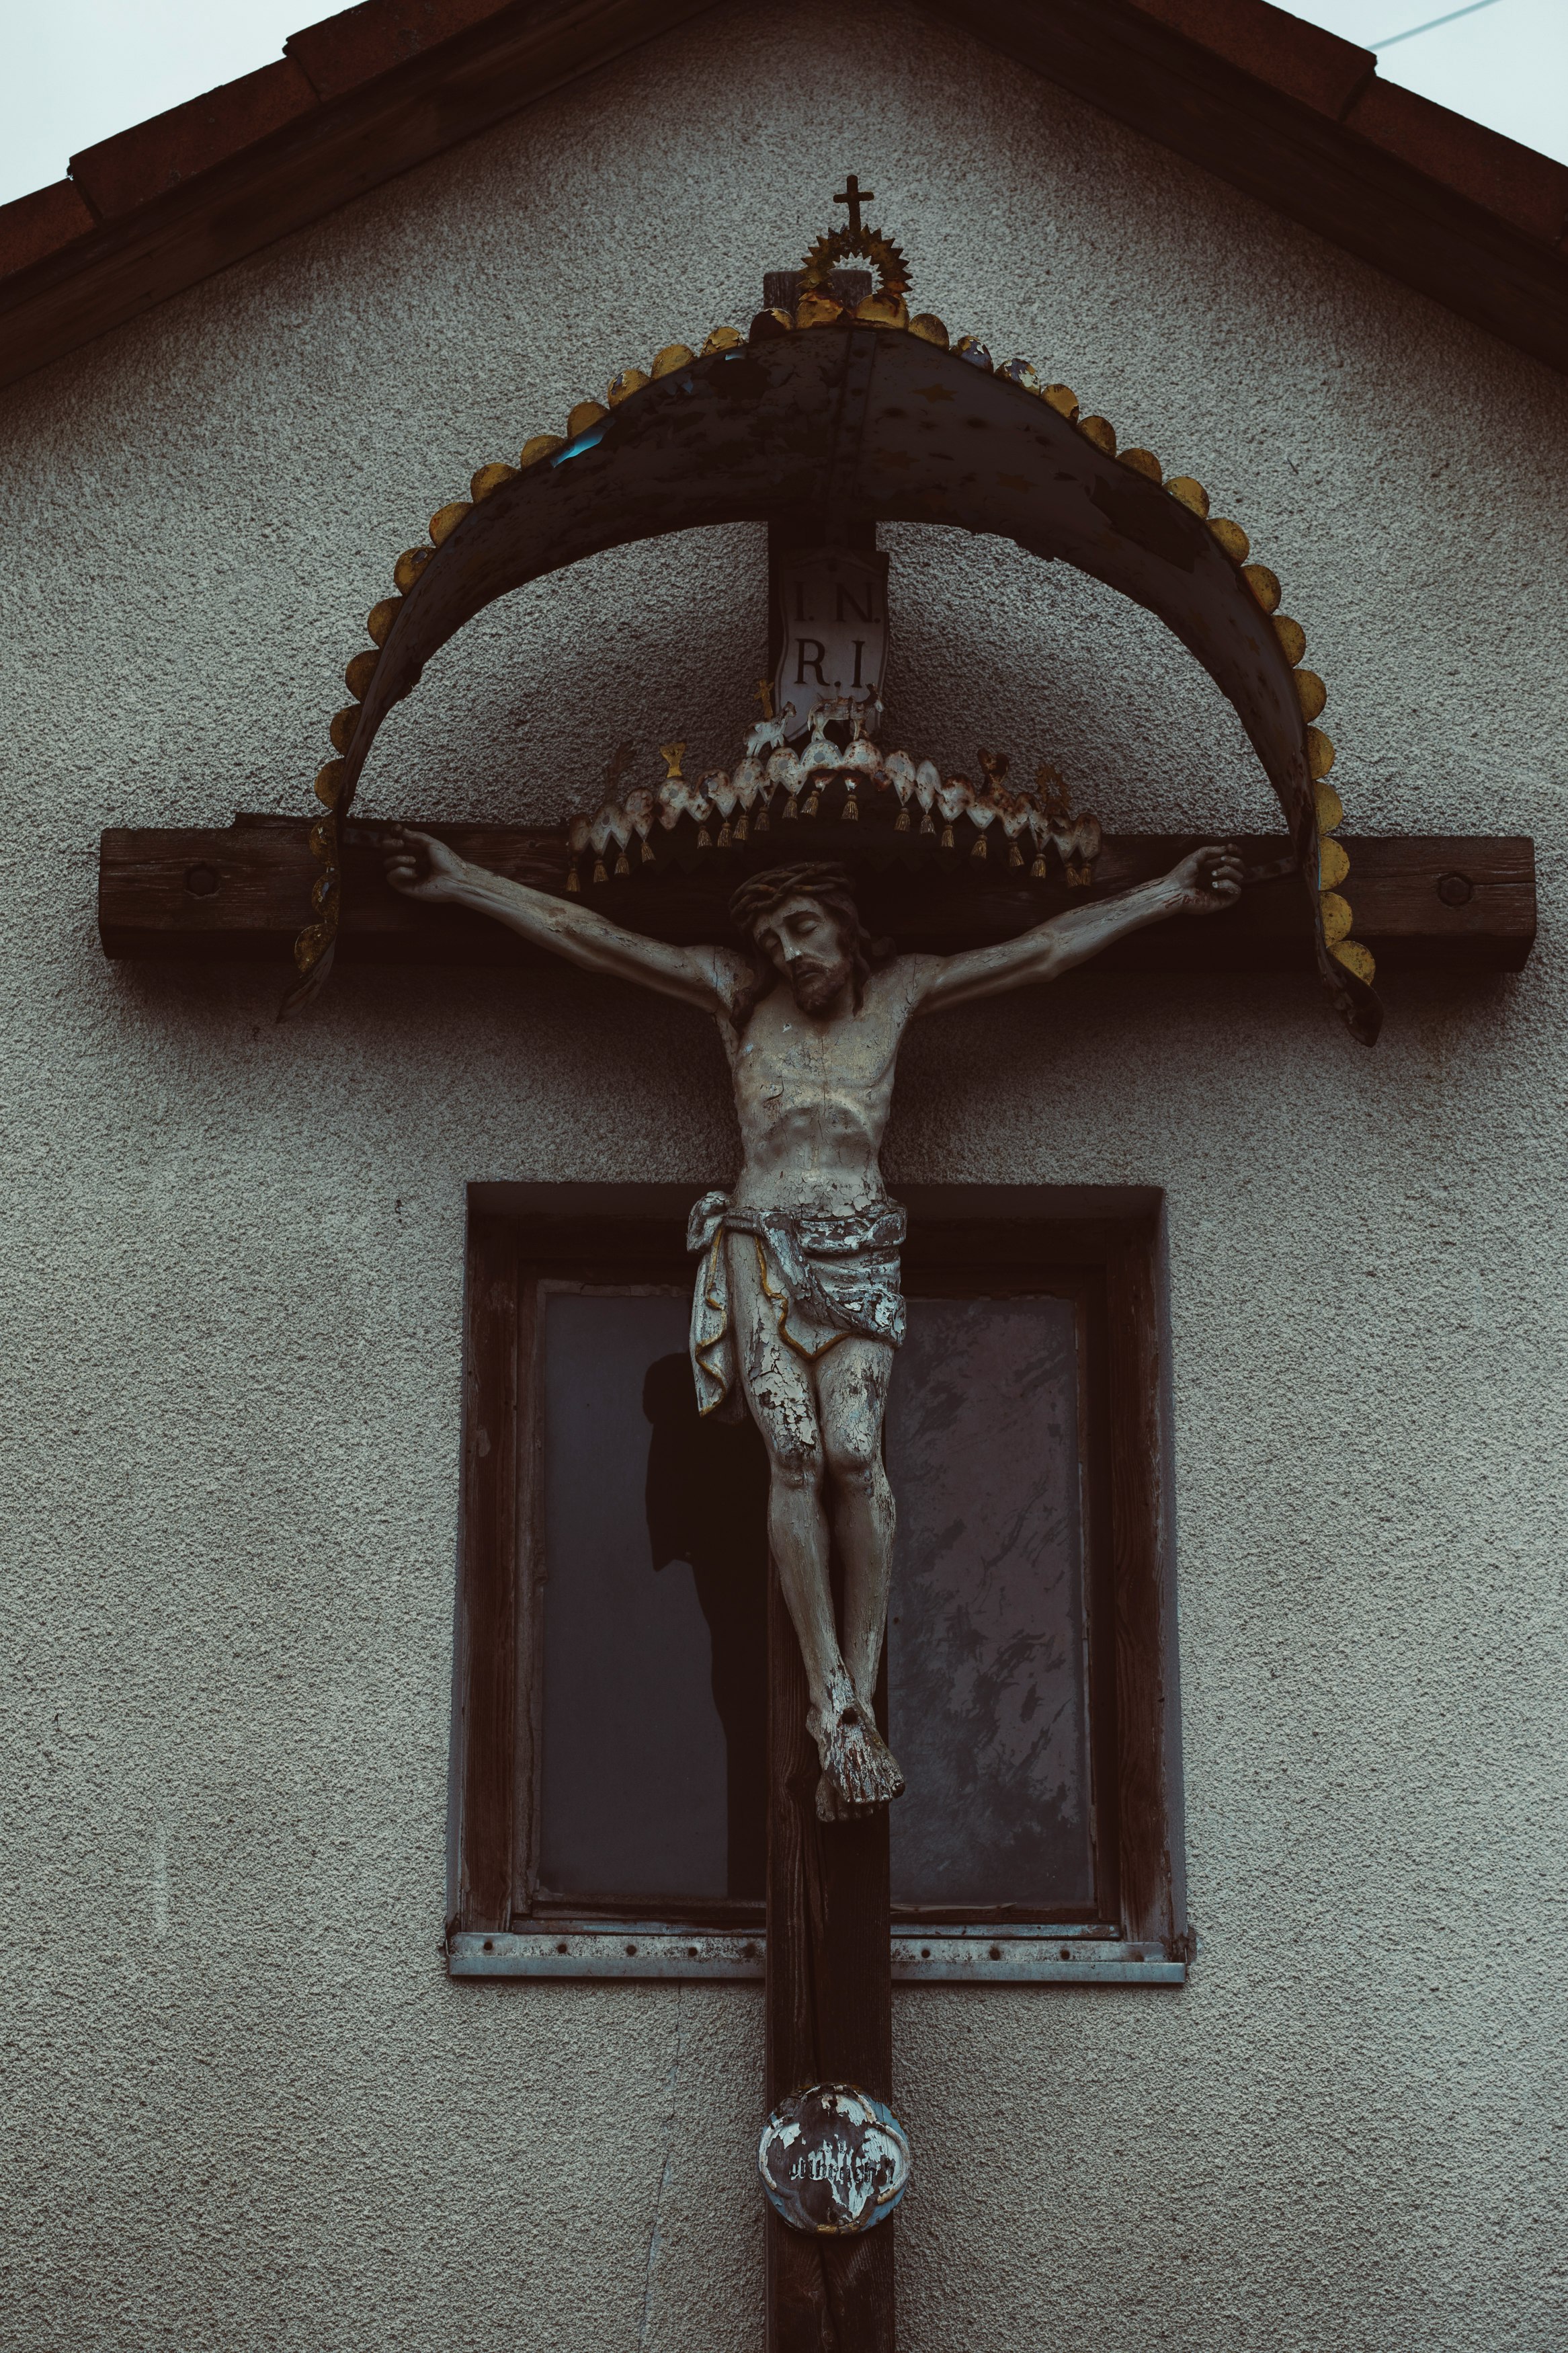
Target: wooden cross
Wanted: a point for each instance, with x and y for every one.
(853, 194)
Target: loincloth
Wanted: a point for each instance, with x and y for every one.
(826, 1278)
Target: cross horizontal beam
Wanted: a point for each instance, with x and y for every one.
(1454, 903)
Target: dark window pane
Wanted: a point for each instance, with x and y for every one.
(653, 1767)
(987, 1673)
(651, 1786)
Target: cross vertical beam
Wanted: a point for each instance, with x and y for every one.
(829, 2007)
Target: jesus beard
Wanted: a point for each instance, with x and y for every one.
(818, 986)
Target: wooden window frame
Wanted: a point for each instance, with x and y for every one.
(1104, 1246)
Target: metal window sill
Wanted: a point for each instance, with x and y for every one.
(945, 1956)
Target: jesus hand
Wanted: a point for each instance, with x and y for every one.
(1207, 881)
(421, 867)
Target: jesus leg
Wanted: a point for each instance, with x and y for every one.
(857, 1772)
(852, 1398)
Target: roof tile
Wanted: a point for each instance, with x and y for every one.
(342, 51)
(1274, 46)
(127, 170)
(1528, 189)
(41, 223)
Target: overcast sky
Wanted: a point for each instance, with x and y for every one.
(77, 71)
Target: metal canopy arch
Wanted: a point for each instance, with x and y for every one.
(871, 424)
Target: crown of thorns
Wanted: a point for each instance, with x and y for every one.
(759, 894)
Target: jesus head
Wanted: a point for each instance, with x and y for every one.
(801, 922)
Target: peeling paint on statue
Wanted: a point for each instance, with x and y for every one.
(834, 2160)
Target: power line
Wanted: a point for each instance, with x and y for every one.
(1432, 23)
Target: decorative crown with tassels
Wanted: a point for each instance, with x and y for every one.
(838, 776)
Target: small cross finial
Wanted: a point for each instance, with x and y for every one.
(764, 695)
(853, 194)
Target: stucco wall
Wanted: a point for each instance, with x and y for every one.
(244, 2107)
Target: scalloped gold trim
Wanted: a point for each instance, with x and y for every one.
(1336, 916)
(445, 520)
(1310, 693)
(1264, 585)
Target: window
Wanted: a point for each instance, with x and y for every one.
(610, 1746)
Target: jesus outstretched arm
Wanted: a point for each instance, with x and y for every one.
(425, 869)
(1204, 883)
(798, 1310)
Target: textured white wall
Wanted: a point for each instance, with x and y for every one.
(244, 2107)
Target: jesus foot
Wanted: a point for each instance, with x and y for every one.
(858, 1768)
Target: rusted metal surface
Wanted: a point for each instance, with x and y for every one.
(987, 1956)
(630, 1948)
(833, 2161)
(947, 1956)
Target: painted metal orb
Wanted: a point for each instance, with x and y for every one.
(833, 2161)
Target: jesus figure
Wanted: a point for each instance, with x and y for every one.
(797, 1309)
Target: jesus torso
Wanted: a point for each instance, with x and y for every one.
(812, 1094)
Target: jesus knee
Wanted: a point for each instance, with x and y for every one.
(794, 1461)
(855, 1460)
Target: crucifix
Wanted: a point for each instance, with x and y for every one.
(746, 894)
(853, 194)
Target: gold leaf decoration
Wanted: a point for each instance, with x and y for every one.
(1355, 959)
(1232, 538)
(673, 357)
(409, 565)
(1292, 638)
(1320, 753)
(883, 310)
(1310, 693)
(1263, 585)
(381, 618)
(1191, 494)
(359, 673)
(489, 478)
(929, 328)
(445, 520)
(1334, 863)
(542, 445)
(1100, 431)
(1144, 462)
(1336, 914)
(588, 414)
